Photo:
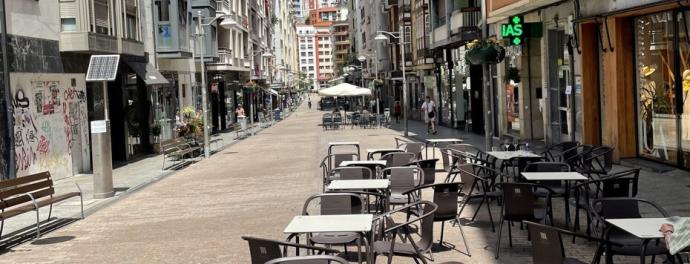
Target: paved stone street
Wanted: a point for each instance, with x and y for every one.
(255, 187)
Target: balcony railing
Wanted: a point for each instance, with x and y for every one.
(467, 20)
(225, 57)
(223, 6)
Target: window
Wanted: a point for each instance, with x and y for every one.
(321, 60)
(131, 29)
(311, 68)
(303, 54)
(310, 53)
(68, 24)
(304, 68)
(102, 8)
(311, 60)
(320, 52)
(320, 45)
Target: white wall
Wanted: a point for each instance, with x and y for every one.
(37, 19)
(50, 124)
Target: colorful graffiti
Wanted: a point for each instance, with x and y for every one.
(48, 119)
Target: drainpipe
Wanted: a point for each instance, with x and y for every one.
(488, 132)
(8, 152)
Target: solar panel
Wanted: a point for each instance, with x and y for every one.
(102, 68)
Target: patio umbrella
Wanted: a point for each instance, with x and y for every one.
(345, 90)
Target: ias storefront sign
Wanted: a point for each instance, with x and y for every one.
(513, 31)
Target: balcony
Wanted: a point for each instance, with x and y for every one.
(223, 6)
(88, 42)
(466, 21)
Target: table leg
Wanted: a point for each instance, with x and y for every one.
(359, 248)
(567, 204)
(433, 152)
(426, 149)
(643, 250)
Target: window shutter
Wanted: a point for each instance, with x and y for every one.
(68, 10)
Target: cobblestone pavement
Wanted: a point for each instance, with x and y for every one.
(255, 187)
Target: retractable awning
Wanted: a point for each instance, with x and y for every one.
(147, 72)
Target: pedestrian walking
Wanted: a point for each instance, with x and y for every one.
(309, 104)
(397, 109)
(429, 112)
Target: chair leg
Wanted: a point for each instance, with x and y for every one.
(491, 218)
(498, 238)
(464, 240)
(442, 229)
(476, 211)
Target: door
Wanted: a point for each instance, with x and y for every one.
(560, 88)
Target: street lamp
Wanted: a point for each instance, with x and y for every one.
(226, 23)
(361, 60)
(399, 35)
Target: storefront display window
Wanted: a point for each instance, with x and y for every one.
(659, 63)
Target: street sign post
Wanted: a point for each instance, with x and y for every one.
(102, 68)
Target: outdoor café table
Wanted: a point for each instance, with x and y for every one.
(344, 143)
(435, 141)
(382, 151)
(557, 176)
(377, 184)
(374, 165)
(521, 155)
(358, 223)
(645, 229)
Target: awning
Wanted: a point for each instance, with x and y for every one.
(345, 90)
(147, 72)
(274, 92)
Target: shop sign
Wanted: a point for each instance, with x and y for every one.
(513, 31)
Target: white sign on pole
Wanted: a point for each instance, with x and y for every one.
(98, 126)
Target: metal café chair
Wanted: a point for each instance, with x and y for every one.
(325, 259)
(326, 121)
(558, 152)
(599, 161)
(618, 208)
(547, 245)
(429, 168)
(397, 159)
(446, 198)
(386, 231)
(520, 204)
(334, 204)
(353, 173)
(403, 179)
(476, 187)
(559, 188)
(332, 161)
(263, 250)
(619, 184)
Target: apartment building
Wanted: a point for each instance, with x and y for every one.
(306, 34)
(286, 71)
(325, 63)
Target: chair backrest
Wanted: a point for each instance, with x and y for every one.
(336, 203)
(547, 167)
(263, 250)
(414, 147)
(446, 159)
(404, 178)
(429, 168)
(613, 208)
(518, 201)
(13, 192)
(446, 198)
(320, 259)
(354, 173)
(599, 159)
(547, 246)
(398, 159)
(620, 184)
(427, 226)
(468, 178)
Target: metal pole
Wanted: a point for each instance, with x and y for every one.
(376, 89)
(106, 111)
(486, 89)
(204, 106)
(404, 80)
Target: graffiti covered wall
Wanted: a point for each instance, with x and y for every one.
(50, 124)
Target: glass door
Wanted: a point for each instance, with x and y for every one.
(683, 92)
(656, 83)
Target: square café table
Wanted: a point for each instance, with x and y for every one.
(358, 184)
(520, 155)
(557, 176)
(645, 229)
(374, 165)
(435, 141)
(358, 223)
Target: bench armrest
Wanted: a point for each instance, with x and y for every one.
(78, 188)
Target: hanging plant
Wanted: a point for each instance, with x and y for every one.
(484, 51)
(512, 74)
(378, 82)
(250, 86)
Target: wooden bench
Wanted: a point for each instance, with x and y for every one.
(29, 193)
(177, 147)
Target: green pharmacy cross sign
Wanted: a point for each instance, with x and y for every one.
(514, 31)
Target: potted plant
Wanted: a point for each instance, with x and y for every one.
(484, 51)
(156, 133)
(378, 82)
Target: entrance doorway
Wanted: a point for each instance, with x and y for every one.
(560, 88)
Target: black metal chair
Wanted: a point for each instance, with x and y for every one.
(429, 168)
(263, 250)
(475, 186)
(520, 204)
(403, 179)
(386, 231)
(446, 198)
(620, 184)
(398, 159)
(577, 154)
(326, 121)
(558, 187)
(618, 208)
(309, 260)
(547, 245)
(333, 204)
(598, 161)
(561, 151)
